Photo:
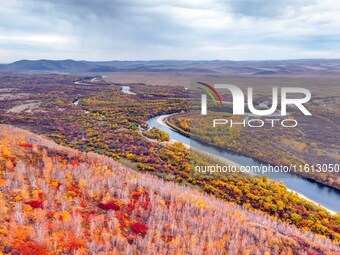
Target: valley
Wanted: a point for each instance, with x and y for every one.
(107, 121)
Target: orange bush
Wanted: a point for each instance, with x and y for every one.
(30, 248)
(26, 145)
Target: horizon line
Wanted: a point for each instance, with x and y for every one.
(179, 60)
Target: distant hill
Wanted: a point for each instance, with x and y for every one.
(56, 200)
(267, 67)
(50, 65)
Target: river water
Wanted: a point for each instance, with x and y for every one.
(318, 193)
(127, 90)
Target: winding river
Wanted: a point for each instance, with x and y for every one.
(316, 192)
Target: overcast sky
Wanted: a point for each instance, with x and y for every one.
(169, 29)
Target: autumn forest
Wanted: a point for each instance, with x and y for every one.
(82, 173)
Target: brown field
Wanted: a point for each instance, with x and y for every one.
(326, 86)
(173, 79)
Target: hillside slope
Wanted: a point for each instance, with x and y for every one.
(55, 200)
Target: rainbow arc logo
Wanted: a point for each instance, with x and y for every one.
(210, 90)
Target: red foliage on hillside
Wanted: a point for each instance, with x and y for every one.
(109, 206)
(35, 203)
(100, 207)
(139, 228)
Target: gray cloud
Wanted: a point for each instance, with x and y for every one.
(265, 8)
(177, 29)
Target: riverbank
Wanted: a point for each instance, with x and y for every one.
(310, 200)
(161, 120)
